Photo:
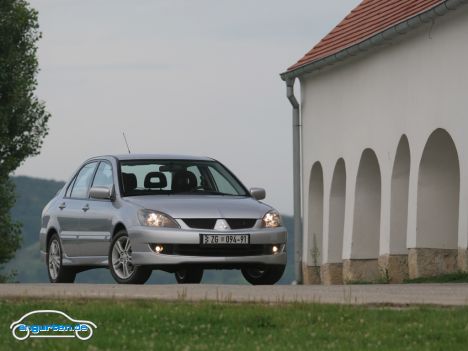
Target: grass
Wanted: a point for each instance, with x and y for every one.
(458, 277)
(156, 325)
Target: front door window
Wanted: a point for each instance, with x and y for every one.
(83, 181)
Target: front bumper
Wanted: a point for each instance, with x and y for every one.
(142, 238)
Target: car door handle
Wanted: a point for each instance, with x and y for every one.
(85, 207)
(62, 205)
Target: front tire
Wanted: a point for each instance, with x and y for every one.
(189, 275)
(120, 262)
(267, 275)
(54, 258)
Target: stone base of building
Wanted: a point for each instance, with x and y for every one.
(310, 274)
(331, 273)
(431, 262)
(462, 260)
(393, 268)
(360, 270)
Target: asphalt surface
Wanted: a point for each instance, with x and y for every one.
(394, 294)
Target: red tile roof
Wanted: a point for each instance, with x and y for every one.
(369, 18)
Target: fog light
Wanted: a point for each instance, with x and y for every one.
(275, 249)
(158, 248)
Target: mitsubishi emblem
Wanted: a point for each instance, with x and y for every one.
(221, 224)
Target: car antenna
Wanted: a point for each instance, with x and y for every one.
(126, 143)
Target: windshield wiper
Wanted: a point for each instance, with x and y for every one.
(204, 192)
(220, 193)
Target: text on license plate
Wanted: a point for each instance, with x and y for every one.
(225, 239)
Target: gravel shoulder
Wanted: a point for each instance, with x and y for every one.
(406, 294)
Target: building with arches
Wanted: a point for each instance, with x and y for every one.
(381, 142)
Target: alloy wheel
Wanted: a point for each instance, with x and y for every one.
(54, 259)
(122, 258)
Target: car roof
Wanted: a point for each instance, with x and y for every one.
(125, 157)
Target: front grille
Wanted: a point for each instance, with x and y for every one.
(217, 251)
(209, 223)
(200, 223)
(241, 223)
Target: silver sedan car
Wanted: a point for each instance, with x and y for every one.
(181, 214)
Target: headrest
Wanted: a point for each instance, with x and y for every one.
(184, 181)
(129, 181)
(155, 180)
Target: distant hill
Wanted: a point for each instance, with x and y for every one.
(33, 194)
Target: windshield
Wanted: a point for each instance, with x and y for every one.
(165, 177)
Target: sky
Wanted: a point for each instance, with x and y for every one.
(178, 77)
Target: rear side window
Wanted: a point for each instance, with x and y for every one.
(83, 180)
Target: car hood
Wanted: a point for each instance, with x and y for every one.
(202, 206)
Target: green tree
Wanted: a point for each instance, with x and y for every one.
(23, 118)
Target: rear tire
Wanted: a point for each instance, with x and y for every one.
(120, 262)
(267, 275)
(54, 258)
(189, 275)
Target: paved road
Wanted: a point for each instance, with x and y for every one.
(434, 294)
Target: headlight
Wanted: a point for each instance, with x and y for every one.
(271, 219)
(156, 219)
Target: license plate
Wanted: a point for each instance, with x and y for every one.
(224, 239)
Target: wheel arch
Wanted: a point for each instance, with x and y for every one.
(117, 228)
(50, 232)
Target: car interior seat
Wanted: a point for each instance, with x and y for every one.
(184, 181)
(129, 181)
(155, 180)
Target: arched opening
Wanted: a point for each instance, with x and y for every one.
(399, 198)
(437, 207)
(438, 193)
(332, 269)
(315, 223)
(363, 264)
(337, 213)
(367, 201)
(393, 263)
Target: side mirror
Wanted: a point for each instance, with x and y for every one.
(258, 193)
(102, 193)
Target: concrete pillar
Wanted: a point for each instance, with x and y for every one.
(360, 270)
(462, 260)
(326, 223)
(311, 274)
(349, 210)
(413, 200)
(331, 273)
(385, 213)
(393, 268)
(431, 262)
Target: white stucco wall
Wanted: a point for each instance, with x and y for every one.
(411, 86)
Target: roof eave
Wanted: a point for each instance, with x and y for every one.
(374, 40)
